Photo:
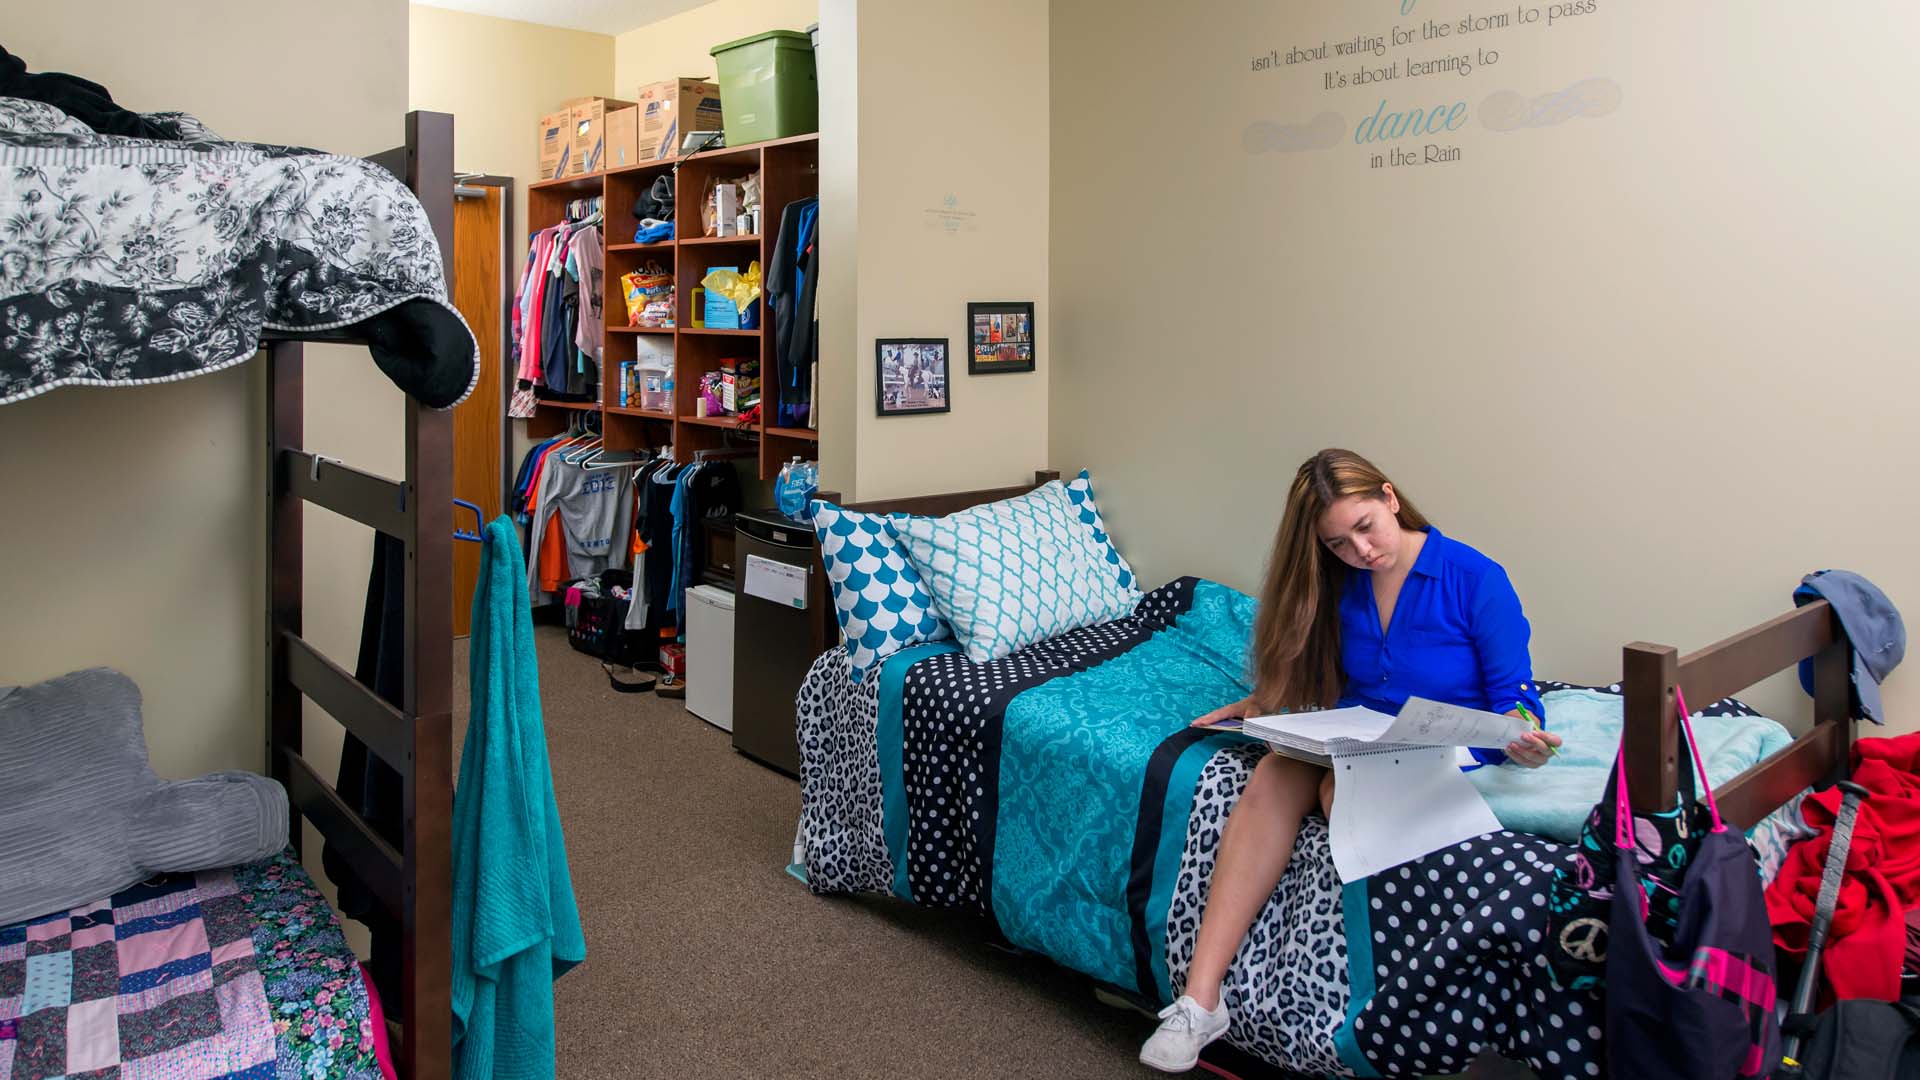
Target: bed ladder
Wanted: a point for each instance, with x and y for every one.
(414, 883)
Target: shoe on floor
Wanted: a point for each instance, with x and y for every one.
(1185, 1028)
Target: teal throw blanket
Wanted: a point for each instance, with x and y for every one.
(515, 926)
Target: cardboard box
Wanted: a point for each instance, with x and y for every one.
(623, 133)
(556, 144)
(590, 133)
(670, 109)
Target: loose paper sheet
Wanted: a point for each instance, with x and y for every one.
(1394, 804)
(1432, 723)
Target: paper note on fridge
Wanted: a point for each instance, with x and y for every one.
(782, 583)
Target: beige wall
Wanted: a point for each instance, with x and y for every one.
(498, 77)
(677, 45)
(837, 403)
(1658, 361)
(137, 529)
(932, 124)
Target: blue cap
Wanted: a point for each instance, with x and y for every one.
(1875, 633)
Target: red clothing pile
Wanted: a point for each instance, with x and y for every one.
(1866, 947)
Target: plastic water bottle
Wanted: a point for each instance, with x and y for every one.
(808, 481)
(792, 491)
(786, 490)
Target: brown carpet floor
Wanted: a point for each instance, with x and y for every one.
(705, 959)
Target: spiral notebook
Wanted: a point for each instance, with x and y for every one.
(1320, 736)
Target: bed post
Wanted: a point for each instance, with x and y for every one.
(1833, 704)
(427, 1050)
(1648, 674)
(285, 565)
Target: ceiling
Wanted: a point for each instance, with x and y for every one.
(598, 16)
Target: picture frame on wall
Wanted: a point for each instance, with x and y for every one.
(1000, 337)
(912, 376)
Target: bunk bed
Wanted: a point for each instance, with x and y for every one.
(1060, 794)
(332, 250)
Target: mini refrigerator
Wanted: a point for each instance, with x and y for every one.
(710, 655)
(783, 620)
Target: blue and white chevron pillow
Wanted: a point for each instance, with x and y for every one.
(882, 604)
(1011, 573)
(1080, 492)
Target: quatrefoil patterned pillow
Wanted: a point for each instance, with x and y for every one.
(1008, 574)
(879, 598)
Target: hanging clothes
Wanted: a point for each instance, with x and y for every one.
(579, 515)
(640, 604)
(656, 508)
(367, 784)
(703, 491)
(516, 924)
(590, 274)
(792, 286)
(557, 311)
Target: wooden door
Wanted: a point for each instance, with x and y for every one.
(479, 422)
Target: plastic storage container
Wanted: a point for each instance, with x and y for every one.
(768, 87)
(656, 389)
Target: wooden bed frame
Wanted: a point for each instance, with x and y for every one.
(1650, 673)
(942, 505)
(414, 883)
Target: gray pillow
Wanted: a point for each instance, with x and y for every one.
(82, 814)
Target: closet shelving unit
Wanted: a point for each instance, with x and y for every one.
(789, 170)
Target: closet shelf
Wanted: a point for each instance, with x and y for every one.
(584, 182)
(644, 166)
(726, 423)
(789, 171)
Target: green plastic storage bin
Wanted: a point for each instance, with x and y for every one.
(768, 88)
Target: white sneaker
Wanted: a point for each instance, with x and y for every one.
(1185, 1028)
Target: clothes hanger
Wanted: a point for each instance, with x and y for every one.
(603, 459)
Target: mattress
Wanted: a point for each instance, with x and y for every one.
(234, 974)
(1060, 793)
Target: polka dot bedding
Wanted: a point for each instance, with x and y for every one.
(1411, 972)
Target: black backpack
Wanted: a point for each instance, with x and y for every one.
(1860, 1039)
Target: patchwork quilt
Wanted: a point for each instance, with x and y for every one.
(1060, 792)
(132, 261)
(237, 974)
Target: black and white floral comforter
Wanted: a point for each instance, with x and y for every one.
(133, 261)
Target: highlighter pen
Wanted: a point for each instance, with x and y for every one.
(1529, 718)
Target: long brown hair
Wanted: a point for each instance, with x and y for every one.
(1296, 636)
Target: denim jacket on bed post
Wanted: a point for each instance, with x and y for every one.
(1458, 635)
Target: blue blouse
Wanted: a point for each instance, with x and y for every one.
(1457, 636)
